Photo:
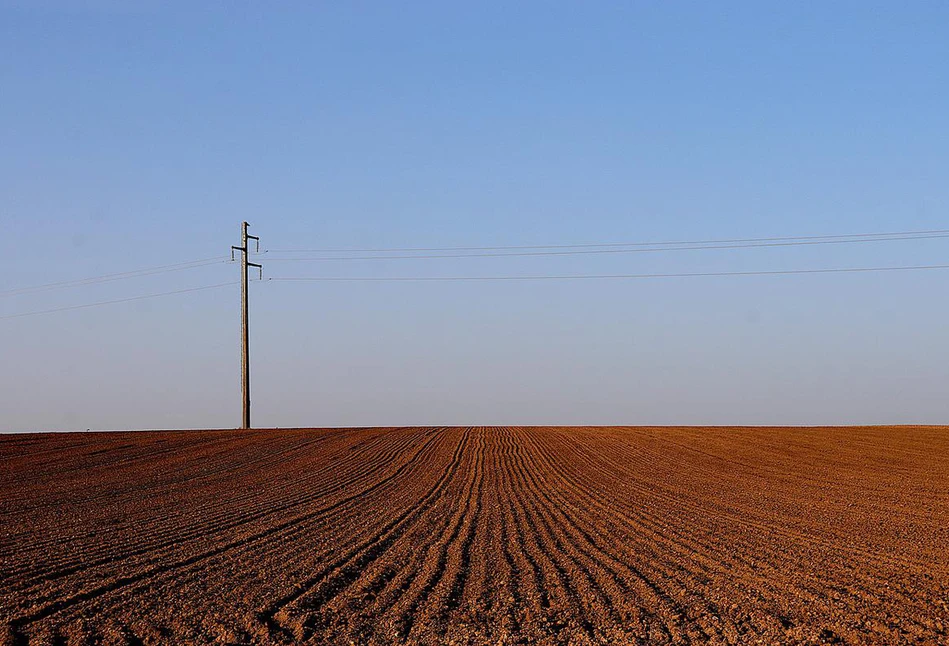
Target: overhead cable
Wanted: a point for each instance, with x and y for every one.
(117, 300)
(613, 244)
(136, 273)
(575, 252)
(780, 272)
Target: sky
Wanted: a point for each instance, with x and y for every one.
(141, 134)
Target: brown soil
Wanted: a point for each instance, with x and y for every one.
(478, 535)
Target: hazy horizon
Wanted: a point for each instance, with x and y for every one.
(135, 137)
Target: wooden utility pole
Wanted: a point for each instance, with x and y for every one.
(245, 333)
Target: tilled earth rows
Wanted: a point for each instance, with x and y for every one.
(477, 535)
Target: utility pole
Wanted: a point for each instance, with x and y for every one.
(245, 341)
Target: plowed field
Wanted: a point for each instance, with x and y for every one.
(477, 535)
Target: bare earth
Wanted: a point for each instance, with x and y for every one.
(477, 535)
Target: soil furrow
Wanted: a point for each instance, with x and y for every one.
(500, 535)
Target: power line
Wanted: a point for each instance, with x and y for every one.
(118, 300)
(136, 273)
(611, 244)
(783, 272)
(641, 249)
(736, 243)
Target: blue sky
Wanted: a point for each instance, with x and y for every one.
(142, 134)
